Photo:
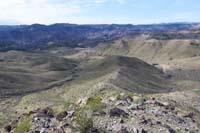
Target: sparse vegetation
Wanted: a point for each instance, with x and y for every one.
(83, 120)
(23, 125)
(140, 100)
(95, 103)
(2, 118)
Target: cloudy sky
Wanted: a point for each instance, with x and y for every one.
(98, 11)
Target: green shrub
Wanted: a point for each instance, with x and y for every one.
(23, 125)
(2, 118)
(66, 104)
(140, 100)
(83, 120)
(95, 103)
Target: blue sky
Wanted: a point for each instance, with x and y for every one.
(98, 11)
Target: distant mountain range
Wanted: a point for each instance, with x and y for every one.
(37, 36)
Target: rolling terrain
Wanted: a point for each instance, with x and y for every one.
(90, 66)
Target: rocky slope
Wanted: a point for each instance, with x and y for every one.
(118, 112)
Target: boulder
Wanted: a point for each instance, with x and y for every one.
(61, 116)
(124, 130)
(98, 112)
(190, 115)
(46, 112)
(116, 112)
(170, 107)
(159, 104)
(128, 99)
(145, 121)
(143, 131)
(11, 126)
(8, 128)
(93, 130)
(136, 107)
(70, 113)
(169, 129)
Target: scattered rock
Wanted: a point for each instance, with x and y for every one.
(149, 116)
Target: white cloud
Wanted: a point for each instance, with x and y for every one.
(78, 11)
(32, 11)
(42, 11)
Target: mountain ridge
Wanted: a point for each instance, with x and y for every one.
(38, 36)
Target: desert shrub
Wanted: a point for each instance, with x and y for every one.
(23, 125)
(67, 104)
(83, 120)
(61, 107)
(140, 100)
(95, 103)
(2, 118)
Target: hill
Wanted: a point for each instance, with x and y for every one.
(22, 73)
(128, 73)
(170, 55)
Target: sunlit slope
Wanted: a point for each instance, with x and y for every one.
(152, 50)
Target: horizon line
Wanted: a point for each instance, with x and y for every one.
(161, 23)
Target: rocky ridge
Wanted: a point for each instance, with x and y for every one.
(121, 113)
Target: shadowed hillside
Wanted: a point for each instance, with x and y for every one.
(23, 72)
(130, 74)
